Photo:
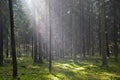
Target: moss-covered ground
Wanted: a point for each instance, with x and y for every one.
(62, 70)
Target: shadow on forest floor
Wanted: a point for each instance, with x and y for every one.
(62, 70)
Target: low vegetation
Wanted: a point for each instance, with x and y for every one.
(62, 70)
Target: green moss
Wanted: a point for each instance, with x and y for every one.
(62, 70)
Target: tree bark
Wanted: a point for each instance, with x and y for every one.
(50, 35)
(13, 50)
(1, 43)
(103, 41)
(115, 32)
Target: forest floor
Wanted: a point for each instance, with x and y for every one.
(62, 70)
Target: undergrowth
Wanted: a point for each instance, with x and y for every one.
(62, 70)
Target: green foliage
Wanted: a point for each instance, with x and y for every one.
(62, 70)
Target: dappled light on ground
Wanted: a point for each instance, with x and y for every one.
(62, 70)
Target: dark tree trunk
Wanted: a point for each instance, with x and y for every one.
(93, 44)
(19, 50)
(7, 46)
(99, 37)
(35, 47)
(1, 43)
(103, 37)
(32, 47)
(106, 35)
(40, 49)
(115, 32)
(13, 40)
(99, 31)
(35, 39)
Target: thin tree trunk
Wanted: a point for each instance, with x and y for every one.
(32, 47)
(50, 46)
(13, 50)
(103, 42)
(7, 54)
(106, 35)
(1, 43)
(115, 33)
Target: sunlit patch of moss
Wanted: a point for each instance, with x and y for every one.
(60, 75)
(33, 67)
(20, 58)
(108, 74)
(80, 68)
(87, 70)
(64, 66)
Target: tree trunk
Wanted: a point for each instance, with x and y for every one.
(1, 43)
(13, 50)
(106, 35)
(103, 41)
(115, 33)
(50, 35)
(7, 47)
(32, 53)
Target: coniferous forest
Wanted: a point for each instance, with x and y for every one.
(59, 39)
